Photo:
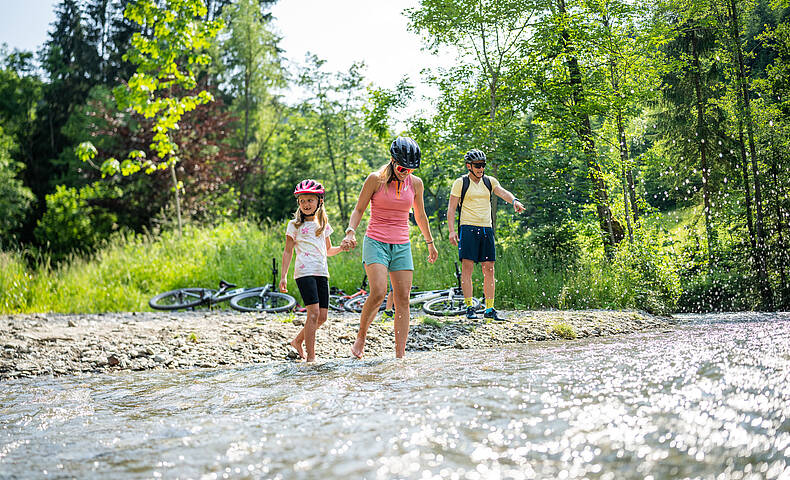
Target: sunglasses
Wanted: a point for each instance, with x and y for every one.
(479, 165)
(400, 169)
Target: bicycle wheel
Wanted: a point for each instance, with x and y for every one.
(355, 304)
(444, 306)
(181, 298)
(336, 303)
(272, 302)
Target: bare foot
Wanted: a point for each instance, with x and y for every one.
(310, 359)
(298, 348)
(358, 351)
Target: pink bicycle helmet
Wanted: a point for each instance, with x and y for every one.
(309, 186)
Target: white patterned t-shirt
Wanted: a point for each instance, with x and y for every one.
(310, 256)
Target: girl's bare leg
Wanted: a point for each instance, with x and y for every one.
(300, 337)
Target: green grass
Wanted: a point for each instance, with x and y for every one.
(563, 330)
(128, 270)
(431, 321)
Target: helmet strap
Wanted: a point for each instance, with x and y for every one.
(472, 172)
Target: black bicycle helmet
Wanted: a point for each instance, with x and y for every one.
(405, 152)
(474, 155)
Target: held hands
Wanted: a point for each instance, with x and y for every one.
(349, 242)
(283, 285)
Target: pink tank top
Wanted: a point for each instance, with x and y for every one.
(389, 212)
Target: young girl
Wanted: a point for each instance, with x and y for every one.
(309, 232)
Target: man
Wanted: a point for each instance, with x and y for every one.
(473, 191)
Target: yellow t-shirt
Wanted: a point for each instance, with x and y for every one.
(476, 209)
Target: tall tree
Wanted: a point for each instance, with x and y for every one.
(167, 63)
(252, 70)
(337, 131)
(71, 65)
(489, 35)
(568, 94)
(746, 115)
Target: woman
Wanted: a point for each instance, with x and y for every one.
(391, 192)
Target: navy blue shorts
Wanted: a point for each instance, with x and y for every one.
(314, 289)
(476, 244)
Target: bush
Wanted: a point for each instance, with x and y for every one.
(720, 291)
(77, 220)
(649, 274)
(556, 244)
(15, 198)
(640, 275)
(563, 330)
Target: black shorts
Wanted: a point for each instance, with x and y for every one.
(314, 289)
(477, 244)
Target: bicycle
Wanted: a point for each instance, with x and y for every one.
(445, 301)
(354, 301)
(450, 301)
(257, 299)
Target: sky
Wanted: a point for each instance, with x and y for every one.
(340, 32)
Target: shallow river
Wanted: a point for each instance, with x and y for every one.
(709, 398)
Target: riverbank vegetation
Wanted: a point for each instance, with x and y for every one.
(129, 269)
(646, 139)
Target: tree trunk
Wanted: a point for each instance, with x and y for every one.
(612, 232)
(781, 258)
(492, 107)
(711, 234)
(747, 191)
(177, 196)
(626, 183)
(762, 274)
(629, 176)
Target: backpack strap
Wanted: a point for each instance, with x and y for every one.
(464, 189)
(487, 182)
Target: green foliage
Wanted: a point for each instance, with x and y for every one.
(642, 275)
(563, 330)
(720, 291)
(649, 275)
(77, 220)
(167, 60)
(381, 102)
(15, 198)
(556, 244)
(431, 322)
(15, 283)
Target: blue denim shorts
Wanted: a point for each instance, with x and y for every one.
(394, 256)
(476, 244)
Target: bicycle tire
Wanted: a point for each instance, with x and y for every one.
(272, 302)
(355, 304)
(336, 303)
(447, 306)
(181, 298)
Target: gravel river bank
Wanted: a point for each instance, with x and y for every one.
(57, 344)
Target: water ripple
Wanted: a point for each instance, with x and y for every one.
(706, 400)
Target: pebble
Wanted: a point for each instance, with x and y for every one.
(55, 344)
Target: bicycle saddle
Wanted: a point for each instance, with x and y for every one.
(224, 284)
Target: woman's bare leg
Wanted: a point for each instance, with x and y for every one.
(401, 290)
(377, 279)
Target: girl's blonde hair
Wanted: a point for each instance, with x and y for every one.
(320, 216)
